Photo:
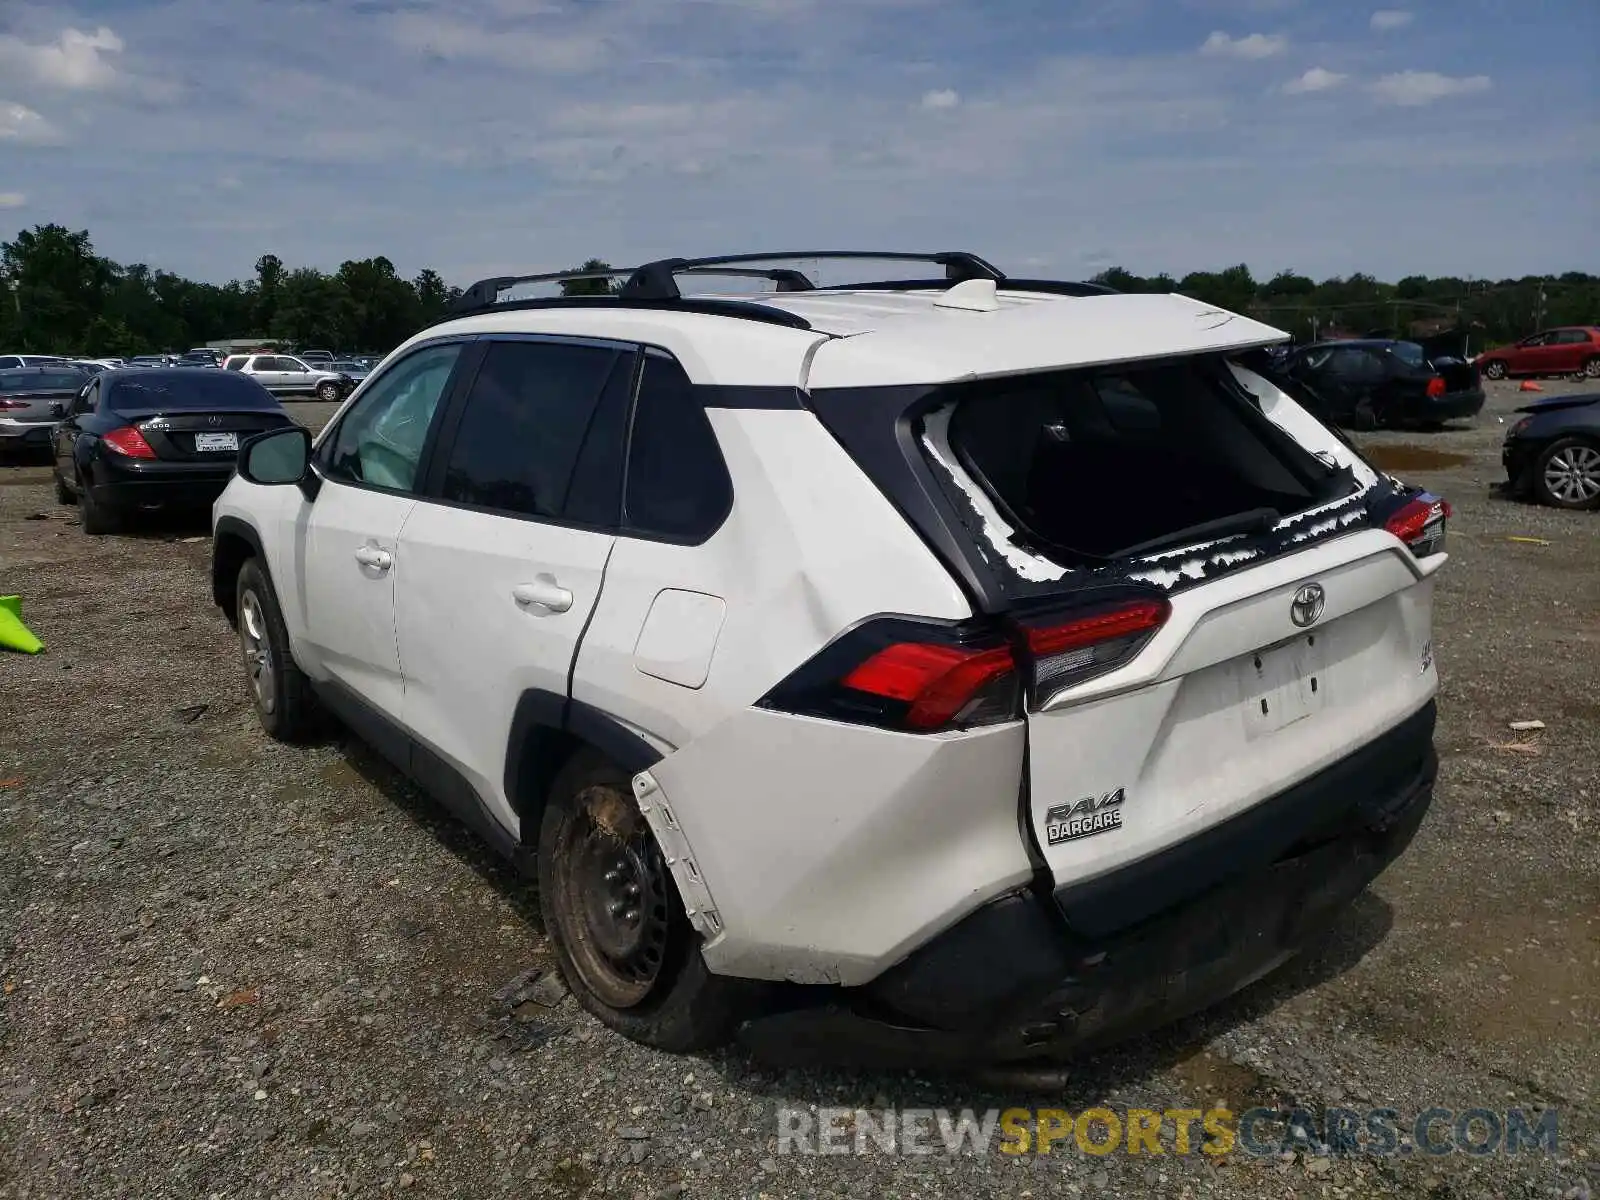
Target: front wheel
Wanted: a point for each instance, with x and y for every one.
(329, 392)
(64, 494)
(1494, 370)
(1591, 369)
(1567, 474)
(614, 920)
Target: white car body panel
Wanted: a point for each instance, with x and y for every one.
(762, 354)
(469, 647)
(946, 345)
(347, 614)
(1177, 730)
(790, 582)
(831, 850)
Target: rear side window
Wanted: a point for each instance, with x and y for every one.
(678, 487)
(523, 423)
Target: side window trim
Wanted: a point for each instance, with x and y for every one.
(438, 457)
(329, 436)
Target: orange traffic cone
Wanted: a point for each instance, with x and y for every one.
(1529, 385)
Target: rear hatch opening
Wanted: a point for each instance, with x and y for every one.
(1106, 469)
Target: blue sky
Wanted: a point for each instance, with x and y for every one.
(1059, 136)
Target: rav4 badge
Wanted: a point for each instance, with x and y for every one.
(1089, 816)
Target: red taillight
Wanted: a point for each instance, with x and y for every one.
(1066, 653)
(1436, 386)
(1420, 524)
(128, 441)
(908, 675)
(938, 683)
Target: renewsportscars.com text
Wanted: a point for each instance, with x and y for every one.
(1259, 1132)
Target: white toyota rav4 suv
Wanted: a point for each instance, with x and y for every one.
(930, 671)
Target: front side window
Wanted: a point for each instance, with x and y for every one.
(523, 424)
(379, 441)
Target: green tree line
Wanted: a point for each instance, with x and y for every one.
(58, 296)
(1487, 312)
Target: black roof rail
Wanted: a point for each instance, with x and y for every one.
(655, 284)
(657, 280)
(787, 280)
(485, 292)
(710, 305)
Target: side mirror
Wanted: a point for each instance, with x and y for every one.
(278, 456)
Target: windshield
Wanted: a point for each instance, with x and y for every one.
(1409, 353)
(41, 381)
(191, 389)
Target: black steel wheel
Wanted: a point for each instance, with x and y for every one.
(615, 922)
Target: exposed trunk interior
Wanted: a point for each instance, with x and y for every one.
(1132, 459)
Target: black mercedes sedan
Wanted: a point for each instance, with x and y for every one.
(1554, 451)
(139, 440)
(1368, 383)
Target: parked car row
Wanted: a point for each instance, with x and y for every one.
(1372, 383)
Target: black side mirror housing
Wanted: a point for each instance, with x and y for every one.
(277, 457)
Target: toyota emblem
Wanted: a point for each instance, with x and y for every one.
(1306, 607)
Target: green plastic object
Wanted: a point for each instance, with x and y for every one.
(14, 635)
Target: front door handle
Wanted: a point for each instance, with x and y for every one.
(371, 556)
(545, 592)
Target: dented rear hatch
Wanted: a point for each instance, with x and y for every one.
(1218, 596)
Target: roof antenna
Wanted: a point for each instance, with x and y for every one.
(973, 295)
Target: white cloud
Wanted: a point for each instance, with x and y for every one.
(943, 98)
(1317, 79)
(75, 60)
(20, 123)
(1253, 45)
(1386, 19)
(12, 200)
(1411, 89)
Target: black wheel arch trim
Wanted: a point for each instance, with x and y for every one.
(225, 570)
(540, 713)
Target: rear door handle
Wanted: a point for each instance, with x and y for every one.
(371, 556)
(545, 592)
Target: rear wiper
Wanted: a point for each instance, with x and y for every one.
(1256, 520)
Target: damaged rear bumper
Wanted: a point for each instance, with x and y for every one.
(1030, 976)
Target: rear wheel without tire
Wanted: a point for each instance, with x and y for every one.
(614, 920)
(281, 694)
(1567, 474)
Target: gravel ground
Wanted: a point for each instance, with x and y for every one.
(230, 968)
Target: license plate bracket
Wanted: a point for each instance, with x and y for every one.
(211, 443)
(1283, 685)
